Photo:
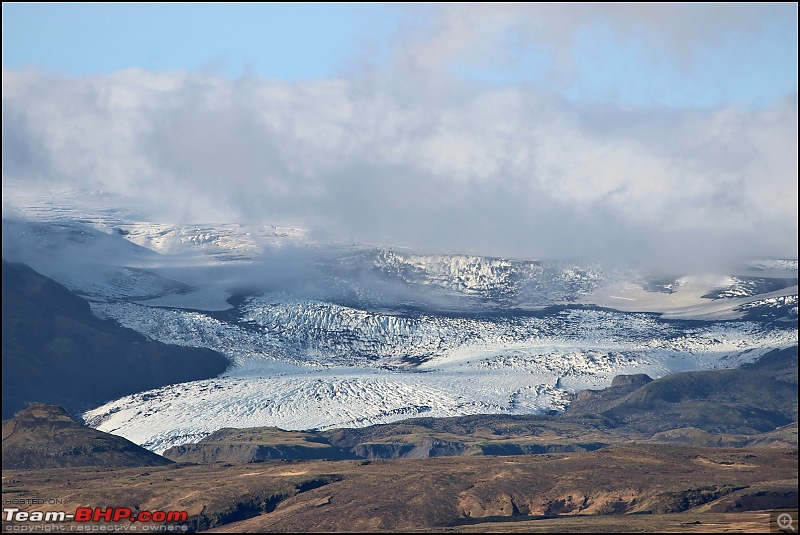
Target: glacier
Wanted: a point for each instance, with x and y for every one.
(324, 334)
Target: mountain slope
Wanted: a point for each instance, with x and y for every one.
(44, 436)
(756, 398)
(56, 351)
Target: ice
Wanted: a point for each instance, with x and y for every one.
(324, 335)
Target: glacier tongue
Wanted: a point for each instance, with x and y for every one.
(303, 363)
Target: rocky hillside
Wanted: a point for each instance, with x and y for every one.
(45, 436)
(258, 444)
(56, 351)
(756, 398)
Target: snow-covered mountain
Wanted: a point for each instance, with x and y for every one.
(335, 334)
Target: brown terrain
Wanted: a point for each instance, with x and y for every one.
(646, 483)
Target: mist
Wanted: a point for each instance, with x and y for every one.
(411, 154)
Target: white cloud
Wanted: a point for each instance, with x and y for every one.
(496, 171)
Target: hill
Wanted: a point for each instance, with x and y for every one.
(45, 436)
(756, 398)
(56, 351)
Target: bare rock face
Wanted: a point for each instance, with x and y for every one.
(636, 380)
(251, 453)
(256, 445)
(588, 401)
(45, 436)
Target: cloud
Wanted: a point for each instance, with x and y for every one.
(499, 171)
(408, 154)
(434, 36)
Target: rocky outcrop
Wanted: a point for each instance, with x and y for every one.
(433, 447)
(536, 449)
(252, 453)
(382, 451)
(631, 381)
(45, 436)
(597, 401)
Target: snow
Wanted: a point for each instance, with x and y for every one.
(685, 301)
(324, 335)
(304, 364)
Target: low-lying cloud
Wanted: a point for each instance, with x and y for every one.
(512, 171)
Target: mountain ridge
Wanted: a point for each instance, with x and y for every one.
(45, 436)
(55, 350)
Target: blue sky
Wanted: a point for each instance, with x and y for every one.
(664, 131)
(716, 55)
(285, 41)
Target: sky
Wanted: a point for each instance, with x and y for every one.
(657, 133)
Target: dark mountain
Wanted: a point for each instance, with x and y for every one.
(56, 351)
(753, 399)
(45, 436)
